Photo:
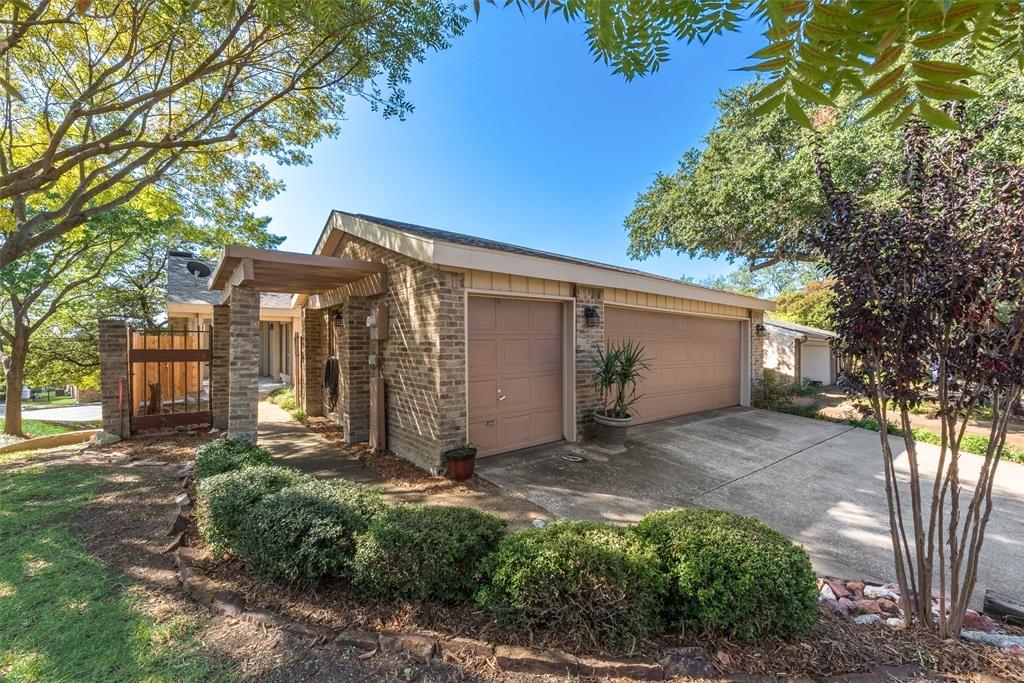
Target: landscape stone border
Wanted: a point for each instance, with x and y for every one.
(692, 662)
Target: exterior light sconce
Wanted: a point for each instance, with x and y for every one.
(761, 330)
(592, 317)
(338, 319)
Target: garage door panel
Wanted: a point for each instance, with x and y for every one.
(695, 361)
(527, 371)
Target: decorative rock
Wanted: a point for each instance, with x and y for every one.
(692, 662)
(845, 607)
(997, 639)
(867, 619)
(360, 640)
(467, 647)
(880, 592)
(149, 463)
(201, 587)
(416, 645)
(895, 622)
(104, 439)
(527, 660)
(888, 606)
(832, 605)
(228, 604)
(867, 607)
(176, 543)
(978, 622)
(1013, 650)
(179, 524)
(637, 669)
(827, 593)
(309, 630)
(855, 587)
(188, 471)
(258, 615)
(838, 588)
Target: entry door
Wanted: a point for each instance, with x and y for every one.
(695, 361)
(515, 373)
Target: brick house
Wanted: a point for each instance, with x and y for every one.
(492, 343)
(800, 352)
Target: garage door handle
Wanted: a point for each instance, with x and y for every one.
(491, 423)
(501, 395)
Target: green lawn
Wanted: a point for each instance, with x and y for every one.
(63, 615)
(55, 402)
(34, 428)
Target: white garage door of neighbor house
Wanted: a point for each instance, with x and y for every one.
(695, 361)
(816, 362)
(515, 373)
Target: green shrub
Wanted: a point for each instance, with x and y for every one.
(299, 414)
(224, 500)
(306, 532)
(775, 391)
(229, 453)
(577, 576)
(424, 552)
(283, 397)
(731, 574)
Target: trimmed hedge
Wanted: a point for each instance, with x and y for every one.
(225, 501)
(229, 453)
(732, 574)
(306, 532)
(422, 552)
(573, 576)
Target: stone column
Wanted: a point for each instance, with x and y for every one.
(354, 349)
(114, 390)
(588, 341)
(314, 332)
(220, 378)
(756, 352)
(243, 362)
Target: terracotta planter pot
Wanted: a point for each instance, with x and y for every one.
(611, 432)
(461, 463)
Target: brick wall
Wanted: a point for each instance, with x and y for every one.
(114, 377)
(219, 375)
(314, 353)
(756, 353)
(243, 361)
(588, 341)
(798, 369)
(353, 349)
(423, 359)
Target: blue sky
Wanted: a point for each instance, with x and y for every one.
(518, 135)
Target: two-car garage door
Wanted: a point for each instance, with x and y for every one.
(695, 361)
(515, 367)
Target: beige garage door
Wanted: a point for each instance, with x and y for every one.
(515, 373)
(695, 362)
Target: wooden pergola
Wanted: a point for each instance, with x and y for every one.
(241, 274)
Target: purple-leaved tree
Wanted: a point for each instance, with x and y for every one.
(928, 302)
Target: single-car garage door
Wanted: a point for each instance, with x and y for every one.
(695, 361)
(816, 362)
(515, 373)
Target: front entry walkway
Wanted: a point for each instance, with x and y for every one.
(821, 484)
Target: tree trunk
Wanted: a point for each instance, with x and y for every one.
(16, 380)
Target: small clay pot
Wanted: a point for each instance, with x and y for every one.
(461, 462)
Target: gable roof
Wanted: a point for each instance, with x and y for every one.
(459, 250)
(800, 329)
(185, 288)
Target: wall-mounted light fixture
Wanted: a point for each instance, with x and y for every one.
(338, 319)
(761, 330)
(592, 317)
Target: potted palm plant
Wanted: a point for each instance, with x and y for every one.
(617, 369)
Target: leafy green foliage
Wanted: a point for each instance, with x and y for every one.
(891, 54)
(764, 283)
(618, 367)
(811, 305)
(423, 552)
(283, 397)
(577, 577)
(229, 453)
(224, 501)
(732, 575)
(307, 531)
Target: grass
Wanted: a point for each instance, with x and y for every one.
(55, 402)
(33, 428)
(283, 397)
(299, 414)
(63, 615)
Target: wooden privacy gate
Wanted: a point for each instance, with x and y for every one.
(169, 379)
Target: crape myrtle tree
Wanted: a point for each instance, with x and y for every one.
(928, 298)
(102, 100)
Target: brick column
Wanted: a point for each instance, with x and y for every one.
(114, 389)
(588, 341)
(220, 378)
(453, 398)
(243, 362)
(314, 332)
(354, 348)
(798, 370)
(756, 352)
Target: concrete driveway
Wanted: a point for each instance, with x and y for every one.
(819, 483)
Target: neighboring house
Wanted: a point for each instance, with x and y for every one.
(493, 344)
(800, 351)
(190, 307)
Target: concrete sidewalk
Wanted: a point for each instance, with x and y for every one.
(821, 484)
